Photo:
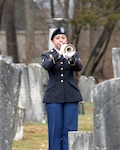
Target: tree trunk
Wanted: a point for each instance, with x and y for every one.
(30, 39)
(101, 53)
(97, 52)
(2, 2)
(11, 39)
(91, 64)
(76, 29)
(66, 9)
(52, 8)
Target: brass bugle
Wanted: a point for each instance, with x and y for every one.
(68, 50)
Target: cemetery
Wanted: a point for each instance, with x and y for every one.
(21, 91)
(21, 101)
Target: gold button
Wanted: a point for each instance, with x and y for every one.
(61, 75)
(61, 81)
(61, 63)
(61, 68)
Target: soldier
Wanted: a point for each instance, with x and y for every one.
(62, 93)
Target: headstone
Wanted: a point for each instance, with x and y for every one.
(9, 93)
(86, 85)
(116, 61)
(24, 96)
(36, 107)
(107, 115)
(7, 59)
(79, 140)
(19, 123)
(81, 108)
(31, 92)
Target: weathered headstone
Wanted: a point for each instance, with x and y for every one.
(36, 108)
(19, 123)
(86, 85)
(116, 61)
(24, 96)
(107, 115)
(7, 59)
(9, 93)
(81, 108)
(31, 92)
(79, 140)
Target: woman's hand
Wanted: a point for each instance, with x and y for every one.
(51, 56)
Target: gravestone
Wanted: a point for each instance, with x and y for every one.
(24, 86)
(31, 91)
(86, 85)
(79, 140)
(9, 93)
(36, 108)
(19, 123)
(7, 59)
(107, 115)
(116, 61)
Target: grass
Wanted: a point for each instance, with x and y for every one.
(35, 134)
(86, 121)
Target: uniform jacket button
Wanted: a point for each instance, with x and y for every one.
(61, 81)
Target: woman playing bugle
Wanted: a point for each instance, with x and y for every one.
(62, 93)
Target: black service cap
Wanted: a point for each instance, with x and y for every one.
(60, 30)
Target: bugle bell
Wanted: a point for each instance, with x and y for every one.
(68, 50)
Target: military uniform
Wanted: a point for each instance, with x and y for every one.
(61, 96)
(62, 86)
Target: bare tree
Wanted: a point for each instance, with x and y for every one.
(76, 26)
(75, 30)
(99, 50)
(30, 39)
(52, 8)
(66, 8)
(101, 46)
(11, 39)
(2, 2)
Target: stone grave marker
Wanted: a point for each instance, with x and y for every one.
(9, 94)
(107, 115)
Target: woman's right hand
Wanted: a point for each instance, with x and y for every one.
(51, 56)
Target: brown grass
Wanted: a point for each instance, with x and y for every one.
(35, 134)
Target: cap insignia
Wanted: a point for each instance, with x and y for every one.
(62, 30)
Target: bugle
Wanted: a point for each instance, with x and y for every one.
(68, 50)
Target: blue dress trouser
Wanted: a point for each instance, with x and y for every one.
(61, 119)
